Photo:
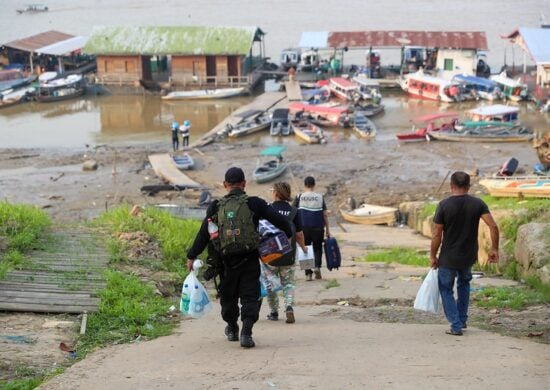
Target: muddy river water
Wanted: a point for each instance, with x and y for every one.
(120, 119)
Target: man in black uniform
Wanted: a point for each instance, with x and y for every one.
(237, 243)
(456, 221)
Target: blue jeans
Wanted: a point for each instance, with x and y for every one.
(455, 311)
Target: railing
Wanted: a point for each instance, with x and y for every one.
(210, 81)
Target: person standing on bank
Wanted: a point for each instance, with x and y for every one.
(284, 267)
(185, 132)
(313, 212)
(456, 223)
(175, 139)
(233, 232)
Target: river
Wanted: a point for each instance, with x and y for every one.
(110, 119)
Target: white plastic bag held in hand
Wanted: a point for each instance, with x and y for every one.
(194, 298)
(427, 298)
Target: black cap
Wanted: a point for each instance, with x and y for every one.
(234, 175)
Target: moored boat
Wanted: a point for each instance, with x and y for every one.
(272, 168)
(370, 109)
(479, 86)
(12, 79)
(280, 122)
(329, 113)
(368, 88)
(308, 132)
(495, 112)
(183, 161)
(484, 134)
(220, 93)
(364, 126)
(250, 125)
(425, 123)
(518, 186)
(344, 89)
(369, 214)
(511, 89)
(12, 97)
(62, 88)
(428, 87)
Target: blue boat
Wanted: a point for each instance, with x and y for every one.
(482, 87)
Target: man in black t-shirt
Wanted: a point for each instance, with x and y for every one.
(456, 223)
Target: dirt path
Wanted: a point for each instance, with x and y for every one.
(361, 334)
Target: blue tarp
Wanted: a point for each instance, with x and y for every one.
(475, 80)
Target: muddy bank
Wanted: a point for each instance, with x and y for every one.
(381, 172)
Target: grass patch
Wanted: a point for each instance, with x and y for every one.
(22, 226)
(174, 235)
(427, 210)
(29, 378)
(398, 255)
(515, 298)
(129, 309)
(332, 283)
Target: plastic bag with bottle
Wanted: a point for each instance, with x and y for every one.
(194, 301)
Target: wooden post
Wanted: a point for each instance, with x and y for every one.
(83, 323)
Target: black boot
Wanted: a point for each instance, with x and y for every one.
(246, 336)
(232, 332)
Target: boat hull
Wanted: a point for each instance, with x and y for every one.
(263, 176)
(51, 98)
(529, 186)
(457, 137)
(204, 94)
(371, 215)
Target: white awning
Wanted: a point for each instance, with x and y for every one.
(63, 48)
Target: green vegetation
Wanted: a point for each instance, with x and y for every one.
(174, 235)
(29, 378)
(332, 283)
(398, 255)
(22, 226)
(129, 309)
(515, 298)
(427, 210)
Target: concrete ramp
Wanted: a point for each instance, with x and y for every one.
(293, 91)
(164, 167)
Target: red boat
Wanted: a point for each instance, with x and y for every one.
(319, 111)
(344, 89)
(432, 122)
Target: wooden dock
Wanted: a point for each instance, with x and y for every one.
(63, 280)
(165, 168)
(263, 102)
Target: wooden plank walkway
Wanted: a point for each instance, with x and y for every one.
(293, 91)
(65, 279)
(165, 168)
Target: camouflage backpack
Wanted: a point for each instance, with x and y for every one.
(237, 232)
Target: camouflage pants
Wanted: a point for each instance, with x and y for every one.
(286, 274)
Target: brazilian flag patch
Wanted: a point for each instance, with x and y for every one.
(230, 215)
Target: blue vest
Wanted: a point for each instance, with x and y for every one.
(310, 205)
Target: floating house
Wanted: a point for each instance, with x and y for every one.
(182, 57)
(450, 52)
(48, 51)
(535, 44)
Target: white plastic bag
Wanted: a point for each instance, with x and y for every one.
(306, 260)
(194, 298)
(269, 281)
(427, 298)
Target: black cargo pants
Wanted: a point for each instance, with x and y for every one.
(241, 280)
(315, 236)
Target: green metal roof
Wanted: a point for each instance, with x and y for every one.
(165, 40)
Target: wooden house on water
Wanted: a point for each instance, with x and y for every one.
(177, 57)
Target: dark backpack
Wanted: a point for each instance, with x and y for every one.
(237, 233)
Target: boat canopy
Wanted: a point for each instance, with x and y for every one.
(476, 124)
(494, 110)
(280, 115)
(433, 117)
(273, 151)
(343, 83)
(464, 78)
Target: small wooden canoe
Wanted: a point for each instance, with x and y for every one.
(518, 186)
(369, 214)
(369, 109)
(272, 168)
(308, 132)
(183, 161)
(364, 126)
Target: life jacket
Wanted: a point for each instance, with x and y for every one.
(237, 233)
